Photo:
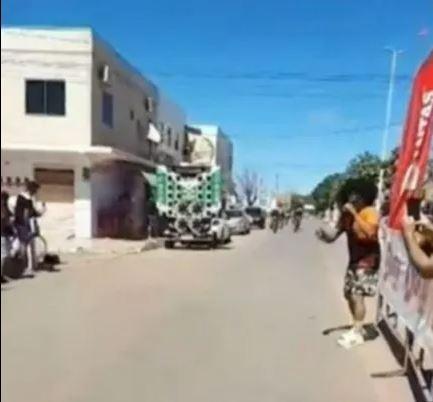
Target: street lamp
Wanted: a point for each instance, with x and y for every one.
(388, 112)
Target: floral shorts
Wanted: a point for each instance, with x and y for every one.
(360, 282)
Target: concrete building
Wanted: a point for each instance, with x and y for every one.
(208, 144)
(84, 123)
(171, 124)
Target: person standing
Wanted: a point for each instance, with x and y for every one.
(360, 222)
(26, 214)
(419, 242)
(7, 232)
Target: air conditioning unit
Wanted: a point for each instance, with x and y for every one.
(104, 74)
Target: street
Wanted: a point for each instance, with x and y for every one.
(239, 324)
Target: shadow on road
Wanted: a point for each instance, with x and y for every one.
(371, 332)
(198, 247)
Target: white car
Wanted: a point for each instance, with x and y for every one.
(238, 221)
(212, 232)
(220, 231)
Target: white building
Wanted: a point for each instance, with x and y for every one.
(81, 121)
(210, 145)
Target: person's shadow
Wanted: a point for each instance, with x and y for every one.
(371, 332)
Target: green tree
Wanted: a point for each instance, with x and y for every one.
(366, 165)
(324, 193)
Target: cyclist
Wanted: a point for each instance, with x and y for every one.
(298, 214)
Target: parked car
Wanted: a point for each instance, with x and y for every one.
(238, 221)
(257, 216)
(213, 233)
(221, 231)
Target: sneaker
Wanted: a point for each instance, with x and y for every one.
(351, 339)
(28, 274)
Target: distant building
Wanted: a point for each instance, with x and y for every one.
(209, 144)
(86, 125)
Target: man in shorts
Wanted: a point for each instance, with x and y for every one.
(360, 222)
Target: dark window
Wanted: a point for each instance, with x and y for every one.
(35, 97)
(55, 93)
(148, 104)
(234, 214)
(45, 97)
(176, 143)
(131, 114)
(107, 109)
(169, 137)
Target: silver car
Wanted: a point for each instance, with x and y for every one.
(238, 221)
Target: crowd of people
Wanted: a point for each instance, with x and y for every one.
(360, 222)
(19, 228)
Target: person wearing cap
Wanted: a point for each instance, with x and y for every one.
(25, 214)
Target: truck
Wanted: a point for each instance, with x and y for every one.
(189, 198)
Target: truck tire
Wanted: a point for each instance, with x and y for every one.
(169, 244)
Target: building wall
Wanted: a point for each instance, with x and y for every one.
(51, 142)
(171, 123)
(224, 159)
(45, 54)
(130, 91)
(223, 156)
(61, 219)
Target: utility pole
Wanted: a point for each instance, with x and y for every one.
(388, 114)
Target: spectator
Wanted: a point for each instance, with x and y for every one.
(6, 232)
(153, 219)
(26, 213)
(360, 222)
(419, 243)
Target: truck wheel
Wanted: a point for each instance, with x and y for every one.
(169, 244)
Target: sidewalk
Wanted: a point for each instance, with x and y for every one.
(108, 246)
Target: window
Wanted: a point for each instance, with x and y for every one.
(45, 97)
(107, 109)
(148, 104)
(131, 114)
(176, 143)
(169, 136)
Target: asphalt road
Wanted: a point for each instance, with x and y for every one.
(240, 324)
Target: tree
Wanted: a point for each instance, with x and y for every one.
(249, 184)
(365, 165)
(324, 193)
(390, 168)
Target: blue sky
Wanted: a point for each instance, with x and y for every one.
(299, 85)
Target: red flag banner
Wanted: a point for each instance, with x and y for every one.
(416, 145)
